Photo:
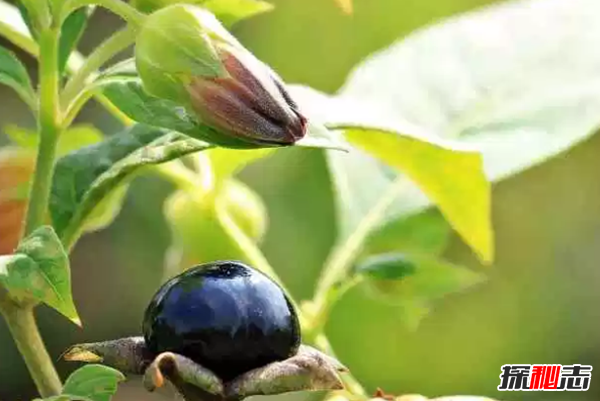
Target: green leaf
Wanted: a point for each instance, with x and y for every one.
(83, 178)
(75, 137)
(71, 31)
(489, 78)
(128, 95)
(413, 282)
(94, 382)
(27, 19)
(450, 174)
(14, 28)
(392, 266)
(417, 277)
(424, 233)
(14, 75)
(451, 178)
(227, 162)
(231, 11)
(40, 270)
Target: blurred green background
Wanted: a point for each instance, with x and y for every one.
(540, 306)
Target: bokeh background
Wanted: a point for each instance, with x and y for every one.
(540, 305)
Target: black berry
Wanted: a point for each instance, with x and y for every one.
(225, 316)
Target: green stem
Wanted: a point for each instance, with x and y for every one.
(101, 55)
(342, 258)
(24, 330)
(48, 109)
(19, 317)
(121, 8)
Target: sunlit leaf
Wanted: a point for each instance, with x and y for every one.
(14, 28)
(452, 178)
(39, 270)
(489, 78)
(449, 174)
(345, 5)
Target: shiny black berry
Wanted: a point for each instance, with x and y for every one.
(225, 316)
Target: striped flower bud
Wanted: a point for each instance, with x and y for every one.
(183, 54)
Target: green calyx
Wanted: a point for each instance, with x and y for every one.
(175, 44)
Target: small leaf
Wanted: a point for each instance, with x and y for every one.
(14, 75)
(39, 270)
(94, 382)
(404, 277)
(231, 11)
(15, 29)
(71, 31)
(387, 267)
(413, 283)
(128, 95)
(85, 177)
(72, 139)
(27, 19)
(450, 177)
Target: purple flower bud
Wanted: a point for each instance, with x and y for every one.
(251, 103)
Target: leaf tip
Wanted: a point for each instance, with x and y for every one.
(346, 6)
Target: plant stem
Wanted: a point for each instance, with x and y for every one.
(342, 257)
(22, 326)
(122, 9)
(102, 54)
(20, 317)
(49, 130)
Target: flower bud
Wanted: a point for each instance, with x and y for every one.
(183, 54)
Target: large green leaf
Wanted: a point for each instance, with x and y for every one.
(446, 173)
(491, 79)
(39, 270)
(487, 78)
(129, 96)
(14, 75)
(93, 382)
(452, 178)
(83, 178)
